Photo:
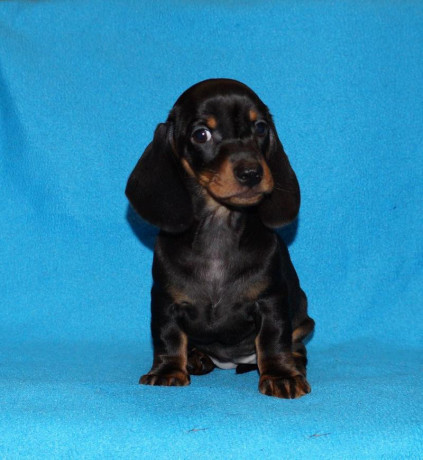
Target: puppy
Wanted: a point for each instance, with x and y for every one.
(216, 181)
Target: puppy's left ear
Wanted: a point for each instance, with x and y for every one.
(282, 205)
(156, 186)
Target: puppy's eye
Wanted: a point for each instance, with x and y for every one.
(261, 128)
(201, 135)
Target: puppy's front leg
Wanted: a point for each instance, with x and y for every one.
(170, 346)
(279, 375)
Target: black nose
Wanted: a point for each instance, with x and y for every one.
(249, 175)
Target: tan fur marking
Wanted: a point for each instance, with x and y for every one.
(253, 115)
(187, 167)
(258, 353)
(302, 331)
(211, 122)
(297, 334)
(267, 182)
(205, 177)
(183, 352)
(268, 365)
(256, 289)
(225, 183)
(178, 296)
(222, 184)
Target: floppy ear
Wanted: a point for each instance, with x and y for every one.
(155, 187)
(282, 205)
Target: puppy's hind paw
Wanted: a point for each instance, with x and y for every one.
(199, 363)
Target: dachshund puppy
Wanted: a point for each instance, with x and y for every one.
(216, 181)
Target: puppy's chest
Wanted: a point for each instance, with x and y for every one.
(208, 281)
(208, 278)
(214, 267)
(215, 304)
(217, 261)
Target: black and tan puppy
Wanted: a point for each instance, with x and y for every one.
(216, 181)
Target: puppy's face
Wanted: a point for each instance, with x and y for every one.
(222, 135)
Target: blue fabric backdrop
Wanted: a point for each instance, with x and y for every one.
(82, 87)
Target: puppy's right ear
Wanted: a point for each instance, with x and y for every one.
(156, 188)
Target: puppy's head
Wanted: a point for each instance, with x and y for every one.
(221, 135)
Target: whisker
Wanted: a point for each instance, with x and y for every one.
(277, 187)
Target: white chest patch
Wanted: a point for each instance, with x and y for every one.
(251, 359)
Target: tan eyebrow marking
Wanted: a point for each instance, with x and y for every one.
(211, 122)
(253, 115)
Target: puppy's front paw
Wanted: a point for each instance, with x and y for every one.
(177, 379)
(284, 387)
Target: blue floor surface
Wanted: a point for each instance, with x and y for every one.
(81, 400)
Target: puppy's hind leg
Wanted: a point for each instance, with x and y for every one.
(199, 363)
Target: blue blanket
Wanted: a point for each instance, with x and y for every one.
(82, 87)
